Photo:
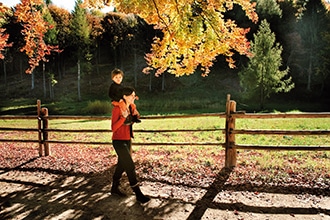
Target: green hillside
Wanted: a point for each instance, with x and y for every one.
(166, 94)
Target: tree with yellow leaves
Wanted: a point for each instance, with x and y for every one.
(195, 32)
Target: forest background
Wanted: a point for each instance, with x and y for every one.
(68, 85)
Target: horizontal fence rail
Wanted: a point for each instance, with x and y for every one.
(282, 132)
(281, 115)
(231, 115)
(161, 117)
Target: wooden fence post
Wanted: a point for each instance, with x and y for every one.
(39, 126)
(231, 153)
(45, 133)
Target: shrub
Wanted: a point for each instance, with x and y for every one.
(98, 107)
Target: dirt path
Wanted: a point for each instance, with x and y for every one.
(32, 194)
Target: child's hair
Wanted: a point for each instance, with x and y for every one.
(116, 72)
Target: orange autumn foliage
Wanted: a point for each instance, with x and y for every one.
(3, 36)
(29, 13)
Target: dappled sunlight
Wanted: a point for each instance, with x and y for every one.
(181, 184)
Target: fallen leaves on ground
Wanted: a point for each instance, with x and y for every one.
(192, 168)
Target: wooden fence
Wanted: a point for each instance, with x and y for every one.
(230, 115)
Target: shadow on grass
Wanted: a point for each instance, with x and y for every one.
(56, 194)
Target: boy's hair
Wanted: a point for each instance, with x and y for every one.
(116, 72)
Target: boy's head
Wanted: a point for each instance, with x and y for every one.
(117, 76)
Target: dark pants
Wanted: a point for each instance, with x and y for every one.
(125, 162)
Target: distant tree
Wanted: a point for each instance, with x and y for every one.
(324, 69)
(80, 33)
(287, 33)
(194, 32)
(311, 26)
(268, 9)
(29, 13)
(271, 11)
(96, 34)
(50, 38)
(62, 18)
(3, 36)
(119, 31)
(263, 76)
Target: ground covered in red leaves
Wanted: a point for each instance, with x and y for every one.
(74, 182)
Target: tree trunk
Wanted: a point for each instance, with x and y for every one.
(121, 54)
(44, 78)
(98, 57)
(5, 72)
(115, 56)
(21, 66)
(59, 70)
(78, 80)
(51, 89)
(150, 81)
(163, 82)
(309, 75)
(135, 68)
(262, 89)
(32, 80)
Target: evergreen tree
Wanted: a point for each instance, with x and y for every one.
(263, 76)
(62, 18)
(311, 26)
(80, 38)
(268, 9)
(324, 69)
(51, 39)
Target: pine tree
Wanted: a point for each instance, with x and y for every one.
(263, 76)
(80, 37)
(311, 26)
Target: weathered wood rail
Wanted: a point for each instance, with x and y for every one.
(231, 115)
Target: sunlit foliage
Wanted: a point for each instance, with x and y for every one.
(3, 36)
(195, 32)
(29, 13)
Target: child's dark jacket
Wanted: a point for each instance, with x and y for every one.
(115, 92)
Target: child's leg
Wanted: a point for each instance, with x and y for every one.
(135, 113)
(134, 110)
(123, 108)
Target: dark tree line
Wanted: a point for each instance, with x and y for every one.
(88, 39)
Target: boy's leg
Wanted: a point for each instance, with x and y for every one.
(135, 113)
(125, 112)
(134, 110)
(123, 108)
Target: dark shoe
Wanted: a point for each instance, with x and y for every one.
(136, 119)
(140, 196)
(115, 190)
